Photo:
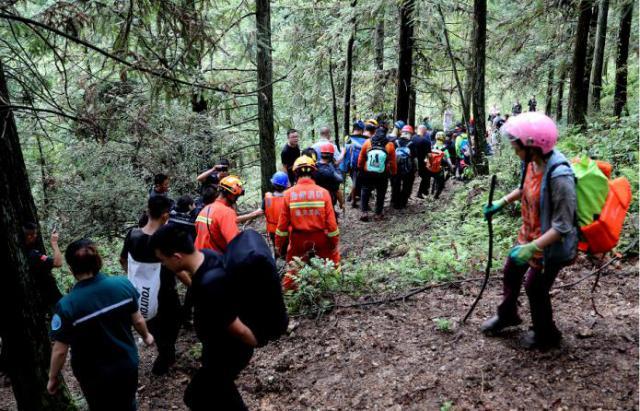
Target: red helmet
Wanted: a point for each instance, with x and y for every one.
(327, 148)
(407, 129)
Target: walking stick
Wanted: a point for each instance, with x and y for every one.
(488, 270)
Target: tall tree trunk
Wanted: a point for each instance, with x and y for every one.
(334, 100)
(591, 46)
(379, 61)
(479, 46)
(405, 60)
(412, 107)
(548, 107)
(463, 101)
(598, 56)
(559, 102)
(348, 74)
(265, 93)
(578, 92)
(620, 95)
(24, 326)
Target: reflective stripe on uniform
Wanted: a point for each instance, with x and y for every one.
(333, 233)
(203, 219)
(307, 204)
(282, 233)
(102, 311)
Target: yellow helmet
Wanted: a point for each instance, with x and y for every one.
(232, 184)
(304, 162)
(371, 121)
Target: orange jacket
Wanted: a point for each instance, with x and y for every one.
(307, 207)
(216, 226)
(273, 203)
(392, 166)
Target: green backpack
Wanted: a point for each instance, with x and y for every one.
(591, 191)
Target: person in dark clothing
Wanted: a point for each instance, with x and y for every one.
(326, 175)
(517, 108)
(349, 162)
(290, 152)
(212, 176)
(402, 182)
(376, 163)
(40, 265)
(422, 147)
(227, 343)
(160, 188)
(532, 104)
(137, 255)
(183, 215)
(95, 321)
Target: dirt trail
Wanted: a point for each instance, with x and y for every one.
(393, 357)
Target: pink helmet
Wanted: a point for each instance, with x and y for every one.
(533, 129)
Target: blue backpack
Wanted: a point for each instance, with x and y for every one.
(403, 159)
(350, 160)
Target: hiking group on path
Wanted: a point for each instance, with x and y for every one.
(234, 289)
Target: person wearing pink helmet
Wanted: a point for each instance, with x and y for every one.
(548, 237)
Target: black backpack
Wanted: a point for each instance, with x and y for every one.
(256, 283)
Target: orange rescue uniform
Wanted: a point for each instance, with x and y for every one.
(309, 219)
(273, 203)
(216, 226)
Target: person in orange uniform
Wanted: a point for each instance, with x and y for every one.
(271, 205)
(216, 224)
(309, 219)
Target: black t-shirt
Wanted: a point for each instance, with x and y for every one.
(40, 267)
(422, 147)
(215, 308)
(137, 243)
(288, 156)
(184, 221)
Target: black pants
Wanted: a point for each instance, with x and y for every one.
(113, 390)
(438, 185)
(401, 187)
(213, 387)
(425, 181)
(166, 324)
(356, 181)
(371, 182)
(537, 282)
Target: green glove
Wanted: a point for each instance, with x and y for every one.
(489, 210)
(520, 254)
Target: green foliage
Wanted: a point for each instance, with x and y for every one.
(446, 406)
(195, 351)
(443, 325)
(317, 283)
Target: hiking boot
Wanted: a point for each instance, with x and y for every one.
(364, 217)
(162, 364)
(496, 324)
(531, 340)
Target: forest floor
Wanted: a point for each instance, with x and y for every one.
(396, 356)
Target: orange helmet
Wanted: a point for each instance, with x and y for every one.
(304, 162)
(327, 148)
(232, 184)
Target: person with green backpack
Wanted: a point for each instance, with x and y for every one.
(548, 237)
(376, 162)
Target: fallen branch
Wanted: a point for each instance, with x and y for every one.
(599, 269)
